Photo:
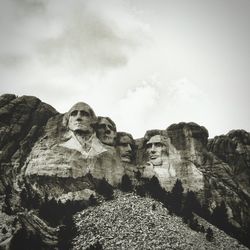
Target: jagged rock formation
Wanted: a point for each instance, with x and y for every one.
(21, 120)
(234, 149)
(47, 156)
(211, 175)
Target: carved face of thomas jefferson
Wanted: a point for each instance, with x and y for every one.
(155, 150)
(106, 130)
(81, 118)
(125, 146)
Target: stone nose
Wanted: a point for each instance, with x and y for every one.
(107, 130)
(78, 116)
(152, 149)
(129, 148)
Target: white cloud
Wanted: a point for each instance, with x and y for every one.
(77, 35)
(155, 105)
(64, 51)
(105, 52)
(136, 108)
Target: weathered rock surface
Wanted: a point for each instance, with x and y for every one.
(59, 172)
(33, 224)
(185, 143)
(32, 152)
(21, 121)
(234, 149)
(220, 175)
(232, 167)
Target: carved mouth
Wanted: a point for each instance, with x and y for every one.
(78, 123)
(106, 137)
(153, 157)
(126, 156)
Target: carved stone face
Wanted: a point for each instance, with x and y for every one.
(81, 118)
(155, 150)
(106, 131)
(125, 147)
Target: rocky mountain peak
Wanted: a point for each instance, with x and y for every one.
(65, 163)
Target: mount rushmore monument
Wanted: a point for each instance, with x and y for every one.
(72, 159)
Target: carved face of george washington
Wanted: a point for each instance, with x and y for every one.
(81, 118)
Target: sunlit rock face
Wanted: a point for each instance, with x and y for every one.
(70, 158)
(162, 157)
(219, 180)
(157, 162)
(182, 154)
(65, 156)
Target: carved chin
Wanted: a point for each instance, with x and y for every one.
(81, 127)
(107, 140)
(156, 162)
(125, 158)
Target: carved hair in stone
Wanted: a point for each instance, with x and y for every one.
(125, 146)
(156, 149)
(106, 130)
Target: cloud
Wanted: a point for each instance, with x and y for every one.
(137, 108)
(104, 53)
(155, 105)
(63, 51)
(12, 60)
(75, 34)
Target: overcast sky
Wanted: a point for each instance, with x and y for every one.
(144, 63)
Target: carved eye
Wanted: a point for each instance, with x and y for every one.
(111, 128)
(74, 113)
(149, 145)
(101, 126)
(84, 113)
(158, 144)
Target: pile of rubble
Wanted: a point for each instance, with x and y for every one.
(133, 222)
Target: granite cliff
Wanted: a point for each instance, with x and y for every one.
(73, 158)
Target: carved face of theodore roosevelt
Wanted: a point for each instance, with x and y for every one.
(106, 130)
(81, 118)
(125, 146)
(155, 150)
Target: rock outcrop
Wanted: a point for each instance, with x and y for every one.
(59, 171)
(234, 149)
(21, 122)
(46, 156)
(185, 143)
(218, 173)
